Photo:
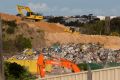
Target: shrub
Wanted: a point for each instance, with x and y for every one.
(9, 23)
(40, 31)
(97, 28)
(93, 66)
(8, 46)
(10, 30)
(82, 66)
(115, 25)
(22, 42)
(13, 71)
(56, 44)
(11, 26)
(114, 34)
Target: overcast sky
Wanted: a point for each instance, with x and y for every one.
(65, 7)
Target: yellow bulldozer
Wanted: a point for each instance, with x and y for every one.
(71, 30)
(30, 15)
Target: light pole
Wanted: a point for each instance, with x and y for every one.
(2, 77)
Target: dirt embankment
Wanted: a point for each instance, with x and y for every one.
(108, 41)
(55, 33)
(50, 27)
(45, 26)
(9, 17)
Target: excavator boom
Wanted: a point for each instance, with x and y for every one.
(20, 8)
(63, 63)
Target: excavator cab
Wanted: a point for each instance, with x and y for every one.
(29, 14)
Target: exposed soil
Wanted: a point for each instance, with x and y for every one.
(54, 32)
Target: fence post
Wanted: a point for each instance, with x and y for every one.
(89, 73)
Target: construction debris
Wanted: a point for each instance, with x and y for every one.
(77, 53)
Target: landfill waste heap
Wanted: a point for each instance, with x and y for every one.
(77, 53)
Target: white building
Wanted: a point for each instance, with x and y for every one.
(103, 17)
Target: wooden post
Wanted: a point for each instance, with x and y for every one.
(2, 77)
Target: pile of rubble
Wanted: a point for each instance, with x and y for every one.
(77, 53)
(27, 54)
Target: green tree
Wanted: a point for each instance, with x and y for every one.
(96, 28)
(115, 25)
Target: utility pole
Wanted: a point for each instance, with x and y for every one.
(2, 77)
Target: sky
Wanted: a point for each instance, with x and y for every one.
(65, 7)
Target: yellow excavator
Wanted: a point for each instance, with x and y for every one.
(29, 15)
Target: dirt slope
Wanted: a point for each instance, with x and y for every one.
(108, 41)
(55, 33)
(50, 27)
(45, 26)
(9, 17)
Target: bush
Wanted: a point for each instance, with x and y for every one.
(11, 26)
(13, 71)
(22, 42)
(93, 66)
(56, 19)
(40, 31)
(8, 46)
(82, 66)
(115, 25)
(114, 34)
(10, 30)
(97, 28)
(9, 23)
(113, 64)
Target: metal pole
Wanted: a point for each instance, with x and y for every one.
(2, 77)
(89, 73)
